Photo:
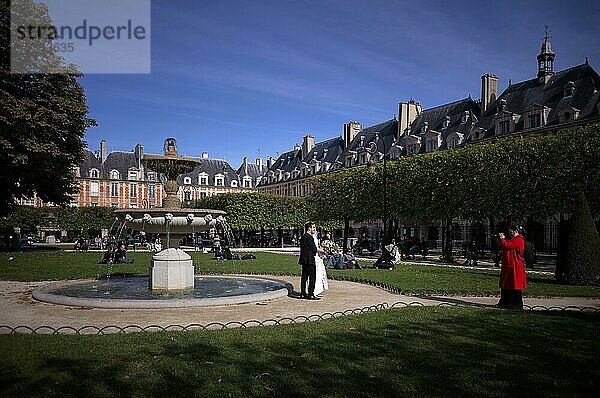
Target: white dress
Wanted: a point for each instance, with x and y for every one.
(321, 275)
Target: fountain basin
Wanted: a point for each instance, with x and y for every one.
(132, 292)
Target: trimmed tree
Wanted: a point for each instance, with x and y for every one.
(582, 263)
(43, 118)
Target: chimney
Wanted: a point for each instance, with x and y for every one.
(245, 163)
(270, 162)
(489, 91)
(296, 149)
(351, 130)
(204, 155)
(259, 163)
(307, 145)
(407, 113)
(139, 153)
(103, 151)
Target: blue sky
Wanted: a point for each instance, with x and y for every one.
(250, 78)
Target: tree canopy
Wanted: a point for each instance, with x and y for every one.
(43, 118)
(257, 210)
(512, 177)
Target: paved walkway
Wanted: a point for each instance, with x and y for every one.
(17, 308)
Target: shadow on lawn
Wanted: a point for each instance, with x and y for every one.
(414, 351)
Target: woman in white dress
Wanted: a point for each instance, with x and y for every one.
(321, 276)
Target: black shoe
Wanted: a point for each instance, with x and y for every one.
(303, 296)
(313, 297)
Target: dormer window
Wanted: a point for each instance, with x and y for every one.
(94, 173)
(234, 183)
(363, 158)
(535, 115)
(446, 122)
(504, 126)
(433, 140)
(133, 175)
(454, 139)
(568, 114)
(203, 179)
(569, 89)
(413, 145)
(424, 128)
(465, 117)
(187, 181)
(151, 176)
(114, 175)
(534, 120)
(219, 180)
(247, 182)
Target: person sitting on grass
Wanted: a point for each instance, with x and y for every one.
(121, 255)
(350, 261)
(109, 255)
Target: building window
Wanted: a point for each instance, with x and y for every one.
(114, 189)
(94, 188)
(94, 173)
(504, 126)
(151, 177)
(432, 146)
(133, 190)
(219, 181)
(313, 170)
(202, 195)
(234, 184)
(114, 175)
(133, 175)
(453, 142)
(534, 120)
(203, 180)
(151, 191)
(567, 115)
(187, 195)
(187, 180)
(247, 183)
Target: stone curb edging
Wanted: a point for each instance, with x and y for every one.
(91, 329)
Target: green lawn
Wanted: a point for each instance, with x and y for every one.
(408, 278)
(436, 352)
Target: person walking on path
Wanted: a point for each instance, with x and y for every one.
(513, 279)
(308, 251)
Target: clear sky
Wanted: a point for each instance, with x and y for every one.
(252, 77)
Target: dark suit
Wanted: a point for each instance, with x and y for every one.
(308, 250)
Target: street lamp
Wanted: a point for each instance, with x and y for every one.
(372, 149)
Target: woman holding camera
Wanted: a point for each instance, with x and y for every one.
(512, 275)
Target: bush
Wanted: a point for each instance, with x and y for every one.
(582, 264)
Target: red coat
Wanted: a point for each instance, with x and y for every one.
(513, 275)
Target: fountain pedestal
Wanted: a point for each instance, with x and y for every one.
(171, 269)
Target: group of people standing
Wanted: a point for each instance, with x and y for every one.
(513, 279)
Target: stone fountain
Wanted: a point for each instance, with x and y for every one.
(172, 268)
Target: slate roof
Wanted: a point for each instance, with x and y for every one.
(436, 118)
(90, 163)
(387, 130)
(328, 151)
(211, 167)
(250, 169)
(520, 95)
(123, 161)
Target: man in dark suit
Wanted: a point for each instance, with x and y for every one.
(308, 250)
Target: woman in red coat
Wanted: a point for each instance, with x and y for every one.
(512, 276)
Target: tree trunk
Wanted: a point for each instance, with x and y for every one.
(346, 232)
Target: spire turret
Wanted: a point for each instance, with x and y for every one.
(545, 59)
